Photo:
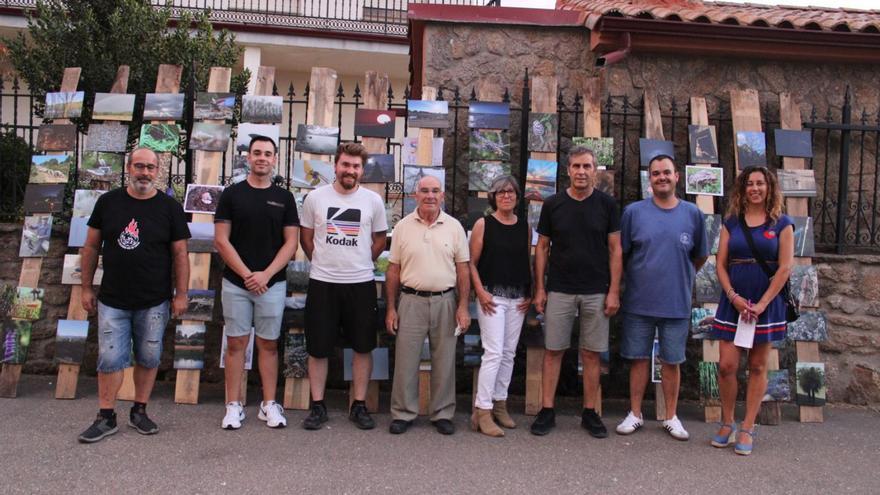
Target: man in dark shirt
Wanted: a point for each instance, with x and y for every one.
(256, 228)
(580, 236)
(144, 235)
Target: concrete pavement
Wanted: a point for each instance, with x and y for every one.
(191, 454)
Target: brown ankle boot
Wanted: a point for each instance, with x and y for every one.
(499, 410)
(481, 420)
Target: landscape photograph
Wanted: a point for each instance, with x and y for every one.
(50, 169)
(412, 174)
(102, 167)
(298, 276)
(200, 306)
(214, 106)
(430, 114)
(189, 347)
(44, 198)
(811, 384)
(261, 109)
(209, 137)
(797, 183)
(540, 179)
(56, 137)
(163, 106)
(202, 240)
(488, 115)
(113, 106)
(379, 168)
(796, 144)
(64, 105)
(316, 139)
(751, 149)
(374, 123)
(70, 341)
(248, 131)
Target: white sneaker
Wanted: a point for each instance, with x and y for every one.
(675, 428)
(273, 414)
(630, 424)
(234, 416)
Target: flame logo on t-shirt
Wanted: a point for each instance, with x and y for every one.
(129, 238)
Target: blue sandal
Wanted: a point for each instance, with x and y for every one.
(745, 449)
(722, 441)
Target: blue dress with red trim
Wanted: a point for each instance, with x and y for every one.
(750, 281)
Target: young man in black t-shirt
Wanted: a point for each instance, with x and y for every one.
(143, 233)
(580, 236)
(256, 229)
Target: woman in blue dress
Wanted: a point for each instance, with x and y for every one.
(749, 294)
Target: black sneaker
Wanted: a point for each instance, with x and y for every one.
(102, 427)
(361, 417)
(399, 426)
(444, 426)
(143, 424)
(544, 422)
(591, 422)
(317, 416)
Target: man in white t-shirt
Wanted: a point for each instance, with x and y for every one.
(343, 228)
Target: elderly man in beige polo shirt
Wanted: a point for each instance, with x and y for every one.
(428, 266)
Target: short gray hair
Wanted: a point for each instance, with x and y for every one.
(582, 150)
(498, 184)
(139, 148)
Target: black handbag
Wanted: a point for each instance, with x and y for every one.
(792, 311)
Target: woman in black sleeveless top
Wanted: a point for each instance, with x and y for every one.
(501, 275)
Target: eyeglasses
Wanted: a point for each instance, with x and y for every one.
(145, 166)
(508, 192)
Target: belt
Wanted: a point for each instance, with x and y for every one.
(746, 261)
(423, 293)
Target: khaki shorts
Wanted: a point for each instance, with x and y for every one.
(559, 318)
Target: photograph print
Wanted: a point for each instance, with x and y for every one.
(44, 198)
(379, 168)
(64, 105)
(704, 180)
(248, 131)
(380, 363)
(811, 384)
(703, 144)
(796, 144)
(113, 106)
(710, 394)
(202, 240)
(645, 183)
(161, 138)
(707, 289)
(298, 276)
(410, 148)
(540, 179)
(56, 137)
(649, 148)
(804, 244)
(542, 132)
(603, 148)
(71, 272)
(209, 137)
(429, 114)
(70, 341)
(189, 347)
(701, 322)
(240, 168)
(50, 169)
(473, 351)
(751, 149)
(214, 106)
(804, 283)
(797, 183)
(477, 208)
(35, 234)
(28, 303)
(489, 144)
(201, 198)
(310, 174)
(605, 182)
(778, 387)
(200, 306)
(488, 115)
(296, 357)
(316, 139)
(812, 326)
(713, 232)
(84, 202)
(101, 167)
(261, 109)
(15, 337)
(481, 174)
(380, 266)
(374, 123)
(412, 174)
(106, 137)
(163, 106)
(248, 352)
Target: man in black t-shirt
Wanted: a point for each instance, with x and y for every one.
(143, 233)
(580, 237)
(256, 232)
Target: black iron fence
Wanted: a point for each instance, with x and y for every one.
(845, 153)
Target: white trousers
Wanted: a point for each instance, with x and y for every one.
(499, 334)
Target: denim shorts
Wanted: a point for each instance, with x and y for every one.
(121, 329)
(638, 337)
(243, 310)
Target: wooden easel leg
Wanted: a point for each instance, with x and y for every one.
(9, 376)
(712, 354)
(65, 387)
(296, 394)
(186, 388)
(534, 385)
(424, 392)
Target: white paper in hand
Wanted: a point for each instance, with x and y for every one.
(745, 333)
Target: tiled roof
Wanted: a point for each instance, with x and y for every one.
(743, 14)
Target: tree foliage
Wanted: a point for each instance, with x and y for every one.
(101, 35)
(15, 162)
(811, 380)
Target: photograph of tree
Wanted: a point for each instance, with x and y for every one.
(713, 232)
(200, 306)
(71, 272)
(161, 138)
(811, 385)
(261, 109)
(409, 150)
(189, 347)
(101, 167)
(27, 304)
(298, 276)
(374, 123)
(542, 132)
(113, 106)
(797, 144)
(64, 105)
(7, 298)
(202, 240)
(481, 174)
(163, 106)
(214, 106)
(209, 137)
(489, 144)
(15, 337)
(380, 364)
(603, 147)
(310, 174)
(778, 386)
(316, 139)
(70, 341)
(50, 169)
(248, 131)
(649, 148)
(797, 183)
(429, 114)
(35, 234)
(812, 326)
(804, 244)
(710, 395)
(296, 358)
(201, 198)
(540, 179)
(704, 180)
(412, 174)
(804, 283)
(56, 137)
(106, 137)
(43, 198)
(703, 144)
(488, 115)
(751, 149)
(707, 289)
(701, 322)
(379, 168)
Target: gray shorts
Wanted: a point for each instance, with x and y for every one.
(242, 309)
(559, 318)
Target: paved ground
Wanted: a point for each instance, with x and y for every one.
(191, 454)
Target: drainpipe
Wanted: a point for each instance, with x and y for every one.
(616, 55)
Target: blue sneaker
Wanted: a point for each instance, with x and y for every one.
(722, 441)
(742, 448)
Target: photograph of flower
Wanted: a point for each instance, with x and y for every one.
(15, 337)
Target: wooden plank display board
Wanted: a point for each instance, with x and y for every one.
(654, 130)
(167, 81)
(10, 374)
(706, 204)
(68, 374)
(207, 172)
(322, 91)
(790, 118)
(544, 98)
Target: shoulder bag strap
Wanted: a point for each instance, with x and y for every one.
(747, 231)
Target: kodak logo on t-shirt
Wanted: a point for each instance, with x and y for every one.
(343, 226)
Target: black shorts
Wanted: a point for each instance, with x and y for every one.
(335, 311)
